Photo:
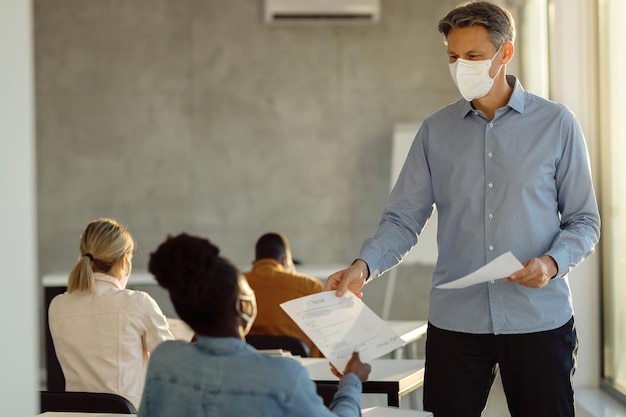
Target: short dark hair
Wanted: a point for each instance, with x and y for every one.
(203, 286)
(272, 245)
(497, 20)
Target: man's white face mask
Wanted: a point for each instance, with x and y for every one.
(472, 77)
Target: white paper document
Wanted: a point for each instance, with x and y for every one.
(339, 325)
(501, 267)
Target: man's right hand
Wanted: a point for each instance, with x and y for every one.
(352, 278)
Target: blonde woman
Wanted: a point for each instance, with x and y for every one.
(103, 333)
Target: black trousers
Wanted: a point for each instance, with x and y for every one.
(536, 371)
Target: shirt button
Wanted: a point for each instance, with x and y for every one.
(490, 124)
(490, 185)
(490, 154)
(490, 215)
(490, 247)
(492, 281)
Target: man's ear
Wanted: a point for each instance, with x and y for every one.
(508, 50)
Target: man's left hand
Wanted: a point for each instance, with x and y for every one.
(537, 272)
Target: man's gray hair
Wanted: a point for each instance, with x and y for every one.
(497, 20)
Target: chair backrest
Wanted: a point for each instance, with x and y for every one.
(292, 344)
(86, 402)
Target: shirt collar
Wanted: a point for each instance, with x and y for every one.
(516, 101)
(102, 278)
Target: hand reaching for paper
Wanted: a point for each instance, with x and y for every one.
(360, 369)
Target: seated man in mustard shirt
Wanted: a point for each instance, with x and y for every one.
(274, 281)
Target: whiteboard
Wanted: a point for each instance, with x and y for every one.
(425, 252)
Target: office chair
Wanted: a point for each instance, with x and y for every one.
(86, 402)
(294, 345)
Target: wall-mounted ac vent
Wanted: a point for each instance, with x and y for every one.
(322, 11)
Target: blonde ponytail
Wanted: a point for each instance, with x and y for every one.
(102, 244)
(81, 277)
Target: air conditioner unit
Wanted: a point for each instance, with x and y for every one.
(322, 11)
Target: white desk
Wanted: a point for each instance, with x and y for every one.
(393, 412)
(59, 279)
(410, 331)
(140, 277)
(320, 271)
(393, 377)
(367, 412)
(69, 414)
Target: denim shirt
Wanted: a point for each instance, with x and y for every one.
(226, 377)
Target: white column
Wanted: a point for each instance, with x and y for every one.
(18, 249)
(574, 82)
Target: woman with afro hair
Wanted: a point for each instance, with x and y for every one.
(219, 374)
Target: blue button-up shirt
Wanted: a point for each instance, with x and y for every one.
(521, 183)
(223, 376)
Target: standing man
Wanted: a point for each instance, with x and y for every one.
(274, 280)
(507, 171)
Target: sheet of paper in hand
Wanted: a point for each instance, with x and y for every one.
(340, 325)
(501, 267)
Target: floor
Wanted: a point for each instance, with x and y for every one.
(593, 402)
(590, 402)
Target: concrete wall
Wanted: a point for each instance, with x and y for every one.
(195, 115)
